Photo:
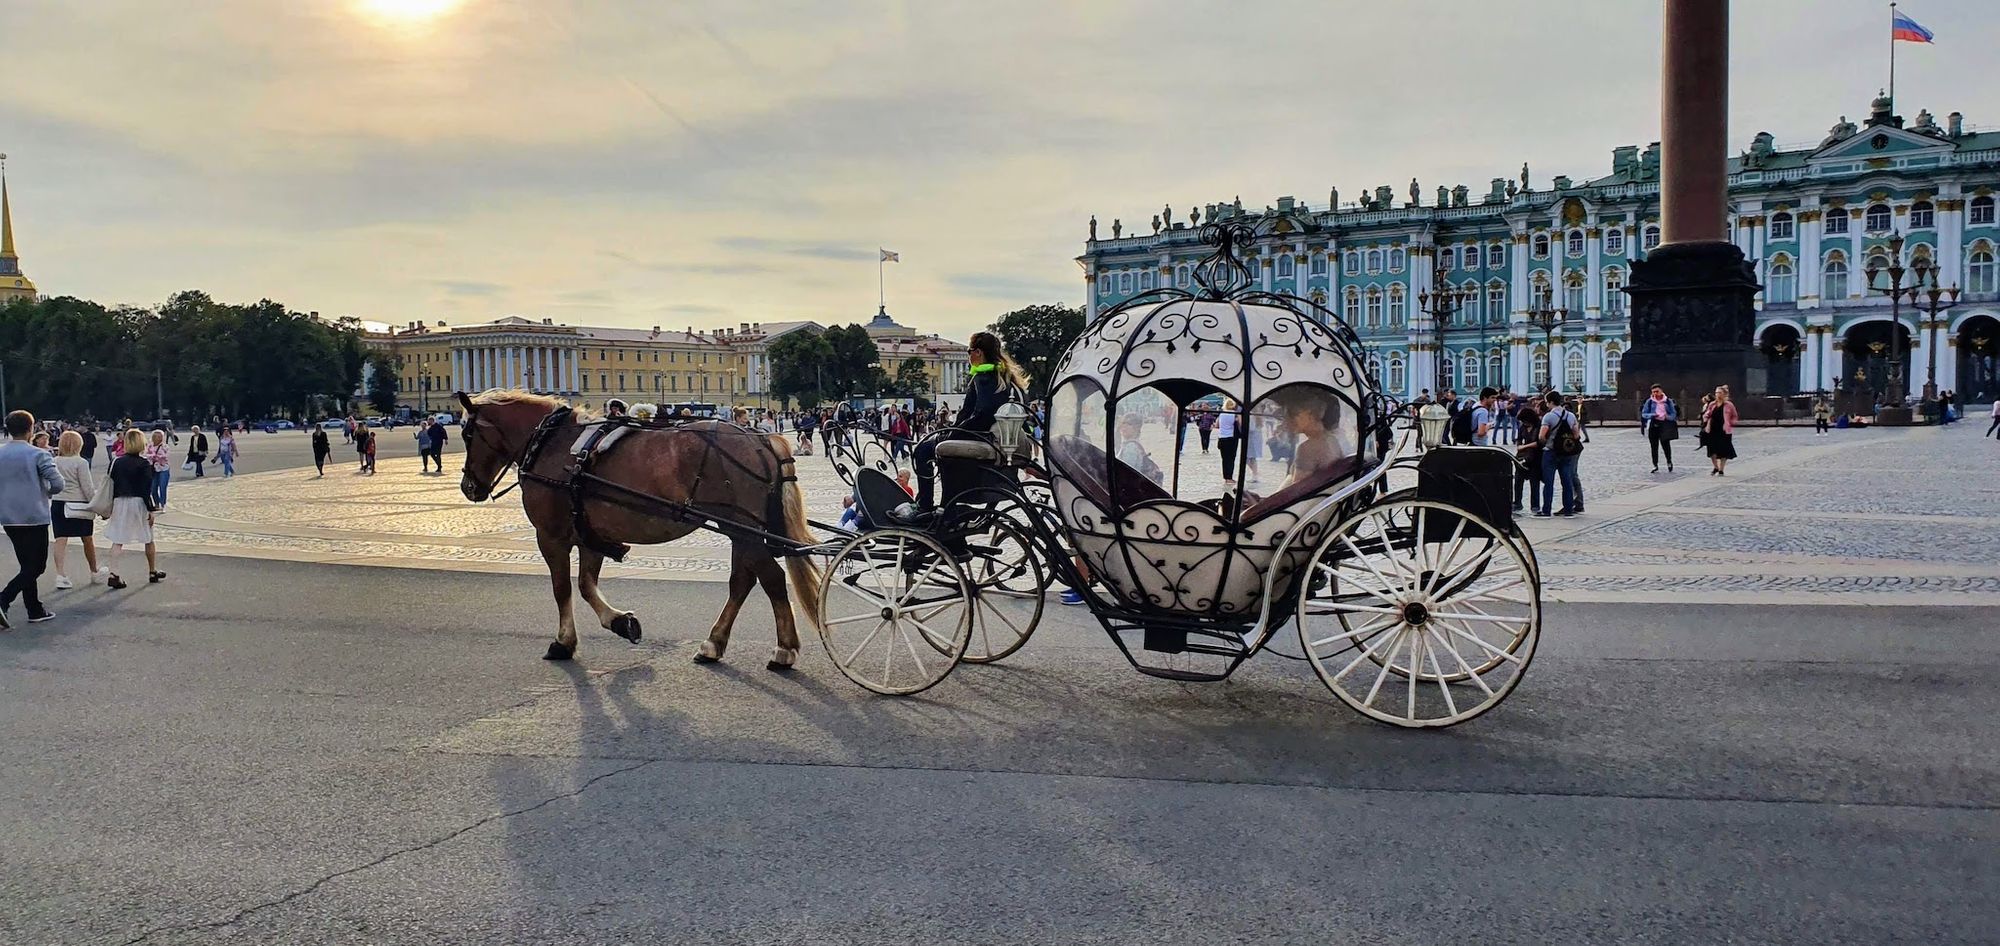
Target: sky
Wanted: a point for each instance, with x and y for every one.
(654, 162)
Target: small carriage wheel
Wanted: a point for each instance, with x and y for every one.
(1429, 594)
(883, 592)
(1008, 584)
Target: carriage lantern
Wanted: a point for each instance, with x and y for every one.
(1432, 421)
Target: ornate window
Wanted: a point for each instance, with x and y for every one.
(1651, 239)
(1468, 362)
(1878, 219)
(1448, 367)
(1541, 367)
(1396, 259)
(1398, 377)
(1496, 256)
(1922, 215)
(1447, 258)
(1352, 309)
(1375, 369)
(1573, 368)
(1350, 262)
(1541, 246)
(1285, 265)
(1104, 282)
(1319, 297)
(1471, 311)
(1781, 226)
(1982, 211)
(1836, 220)
(1396, 304)
(1146, 279)
(1833, 278)
(1614, 358)
(1879, 262)
(1979, 270)
(1319, 264)
(1374, 261)
(1573, 246)
(1496, 301)
(1783, 284)
(1573, 295)
(1614, 240)
(1374, 307)
(1125, 282)
(1544, 296)
(1496, 367)
(1614, 291)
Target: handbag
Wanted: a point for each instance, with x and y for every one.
(187, 465)
(99, 506)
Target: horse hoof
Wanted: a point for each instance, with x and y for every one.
(708, 654)
(782, 660)
(559, 651)
(776, 667)
(626, 626)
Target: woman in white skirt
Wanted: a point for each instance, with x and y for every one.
(132, 509)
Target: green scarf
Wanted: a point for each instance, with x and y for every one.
(983, 369)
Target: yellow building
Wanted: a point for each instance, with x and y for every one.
(13, 285)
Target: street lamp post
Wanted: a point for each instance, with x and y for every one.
(1895, 290)
(1925, 296)
(1440, 305)
(1548, 318)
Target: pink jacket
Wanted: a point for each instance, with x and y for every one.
(1728, 416)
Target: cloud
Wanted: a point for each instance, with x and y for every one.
(1009, 286)
(808, 249)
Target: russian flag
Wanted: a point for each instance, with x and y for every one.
(1903, 28)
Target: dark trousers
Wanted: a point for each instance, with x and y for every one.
(31, 547)
(319, 461)
(1206, 432)
(924, 458)
(1528, 475)
(1820, 425)
(1228, 447)
(1990, 428)
(1656, 439)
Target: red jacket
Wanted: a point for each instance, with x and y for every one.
(1728, 415)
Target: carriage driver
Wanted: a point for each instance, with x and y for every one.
(994, 379)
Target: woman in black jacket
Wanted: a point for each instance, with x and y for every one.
(132, 509)
(995, 378)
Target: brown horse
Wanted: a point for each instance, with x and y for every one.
(723, 469)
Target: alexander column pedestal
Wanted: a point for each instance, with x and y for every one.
(1693, 325)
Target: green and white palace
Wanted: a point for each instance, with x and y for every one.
(1813, 219)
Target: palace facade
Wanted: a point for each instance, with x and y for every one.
(589, 365)
(1535, 275)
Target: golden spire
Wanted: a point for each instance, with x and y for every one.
(6, 215)
(13, 285)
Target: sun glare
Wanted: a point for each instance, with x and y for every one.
(405, 12)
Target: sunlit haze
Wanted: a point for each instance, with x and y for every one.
(643, 163)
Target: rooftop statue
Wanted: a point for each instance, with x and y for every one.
(1840, 129)
(1093, 228)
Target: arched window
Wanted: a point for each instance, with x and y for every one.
(1833, 278)
(1125, 281)
(1496, 301)
(1574, 245)
(1319, 264)
(1783, 284)
(1496, 256)
(1781, 226)
(1544, 296)
(1836, 220)
(1979, 270)
(1350, 262)
(1470, 313)
(1468, 369)
(1448, 367)
(1614, 291)
(1541, 367)
(1351, 310)
(1541, 246)
(1573, 293)
(1285, 265)
(1374, 308)
(1981, 211)
(1922, 215)
(1181, 277)
(1447, 258)
(1319, 297)
(1614, 358)
(1398, 377)
(1496, 366)
(1878, 262)
(1374, 261)
(1614, 240)
(1652, 237)
(1375, 369)
(1103, 282)
(1396, 259)
(1396, 304)
(1573, 368)
(1146, 280)
(1878, 219)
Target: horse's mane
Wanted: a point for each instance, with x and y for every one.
(518, 396)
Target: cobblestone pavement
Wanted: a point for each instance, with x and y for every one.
(1877, 515)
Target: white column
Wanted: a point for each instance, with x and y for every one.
(542, 368)
(1593, 270)
(1593, 364)
(1808, 264)
(514, 367)
(457, 377)
(479, 369)
(1857, 262)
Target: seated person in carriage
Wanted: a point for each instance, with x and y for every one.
(994, 379)
(1315, 450)
(1134, 454)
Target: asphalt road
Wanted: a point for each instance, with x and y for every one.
(266, 752)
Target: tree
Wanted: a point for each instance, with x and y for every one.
(854, 362)
(798, 360)
(912, 378)
(382, 382)
(1037, 336)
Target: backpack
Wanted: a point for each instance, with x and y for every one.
(1566, 441)
(1462, 429)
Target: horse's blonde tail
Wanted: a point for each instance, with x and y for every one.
(804, 569)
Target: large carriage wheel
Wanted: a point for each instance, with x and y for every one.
(1008, 584)
(1420, 613)
(895, 611)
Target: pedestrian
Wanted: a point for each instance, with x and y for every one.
(424, 447)
(225, 451)
(1528, 454)
(367, 451)
(1225, 441)
(1483, 419)
(89, 434)
(347, 429)
(197, 453)
(78, 488)
(28, 479)
(1562, 443)
(154, 450)
(132, 509)
(439, 434)
(1253, 444)
(1822, 416)
(1204, 424)
(1718, 431)
(322, 448)
(361, 449)
(40, 441)
(1990, 428)
(1659, 422)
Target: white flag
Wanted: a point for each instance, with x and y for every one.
(888, 257)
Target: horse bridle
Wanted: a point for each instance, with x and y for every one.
(475, 432)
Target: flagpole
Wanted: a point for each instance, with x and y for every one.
(881, 285)
(1892, 57)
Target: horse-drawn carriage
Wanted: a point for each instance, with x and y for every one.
(1414, 596)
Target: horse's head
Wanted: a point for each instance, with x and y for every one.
(495, 431)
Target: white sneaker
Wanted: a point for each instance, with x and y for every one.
(99, 576)
(62, 583)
